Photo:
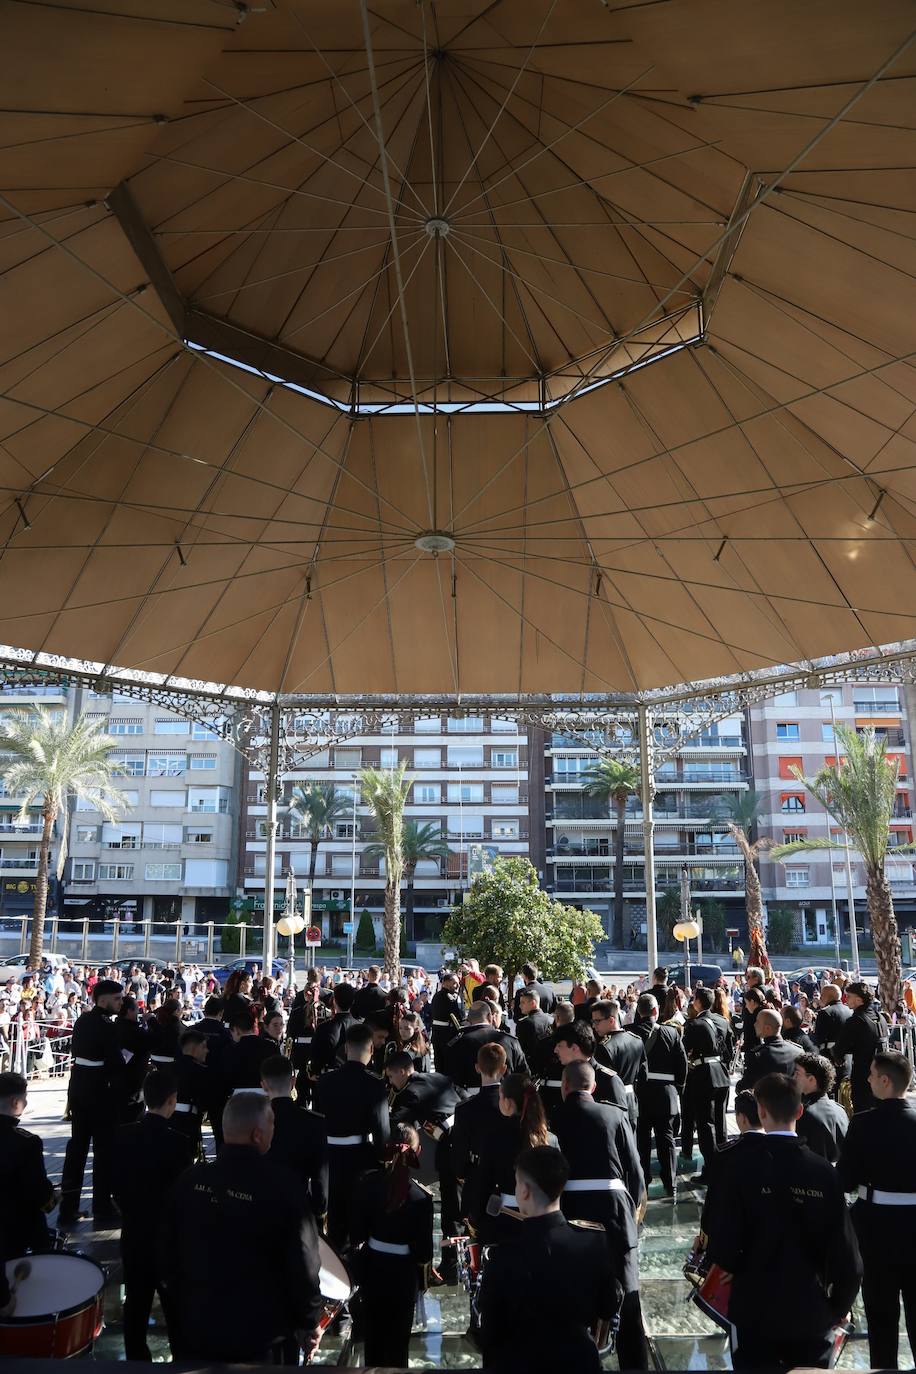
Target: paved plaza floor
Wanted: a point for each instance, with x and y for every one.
(681, 1336)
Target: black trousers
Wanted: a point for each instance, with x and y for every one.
(388, 1296)
(883, 1285)
(95, 1127)
(632, 1351)
(140, 1285)
(656, 1118)
(767, 1348)
(448, 1187)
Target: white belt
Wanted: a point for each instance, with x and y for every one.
(628, 1088)
(508, 1199)
(830, 1045)
(595, 1185)
(552, 1083)
(661, 1077)
(303, 1039)
(448, 1123)
(186, 1107)
(710, 1059)
(246, 1090)
(387, 1247)
(472, 1092)
(446, 1024)
(162, 1058)
(346, 1139)
(886, 1199)
(90, 1063)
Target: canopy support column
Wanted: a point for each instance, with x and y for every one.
(646, 749)
(273, 782)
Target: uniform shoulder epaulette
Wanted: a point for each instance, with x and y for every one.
(586, 1225)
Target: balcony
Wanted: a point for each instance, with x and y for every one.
(635, 886)
(16, 832)
(18, 865)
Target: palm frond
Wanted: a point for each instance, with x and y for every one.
(785, 851)
(858, 791)
(612, 780)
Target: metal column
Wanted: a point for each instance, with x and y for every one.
(646, 750)
(850, 896)
(273, 763)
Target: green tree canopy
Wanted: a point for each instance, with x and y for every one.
(507, 919)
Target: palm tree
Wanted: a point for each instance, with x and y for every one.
(45, 758)
(739, 812)
(319, 806)
(859, 792)
(614, 782)
(385, 791)
(420, 842)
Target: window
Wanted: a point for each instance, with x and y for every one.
(505, 830)
(827, 735)
(787, 730)
(427, 793)
(125, 836)
(797, 877)
(499, 723)
(465, 755)
(794, 836)
(465, 725)
(388, 758)
(87, 834)
(128, 796)
(465, 792)
(165, 765)
(342, 865)
(200, 731)
(121, 872)
(213, 799)
(159, 836)
(348, 758)
(427, 758)
(875, 699)
(163, 873)
(471, 827)
(171, 725)
(793, 803)
(200, 762)
(504, 758)
(786, 764)
(157, 798)
(786, 699)
(125, 727)
(133, 765)
(83, 871)
(427, 725)
(345, 830)
(504, 793)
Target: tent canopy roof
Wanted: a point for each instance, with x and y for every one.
(406, 244)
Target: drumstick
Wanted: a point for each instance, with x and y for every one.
(496, 1209)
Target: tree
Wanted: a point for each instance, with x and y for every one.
(739, 813)
(859, 791)
(781, 929)
(614, 781)
(420, 842)
(507, 919)
(319, 805)
(365, 933)
(712, 914)
(385, 791)
(45, 758)
(667, 915)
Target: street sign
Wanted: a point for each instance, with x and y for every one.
(313, 935)
(348, 927)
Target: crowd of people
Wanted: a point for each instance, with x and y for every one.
(310, 1122)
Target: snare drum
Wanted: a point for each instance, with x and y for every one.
(333, 1282)
(713, 1296)
(58, 1312)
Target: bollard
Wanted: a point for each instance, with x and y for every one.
(243, 931)
(211, 941)
(84, 953)
(24, 935)
(54, 926)
(115, 934)
(147, 935)
(178, 941)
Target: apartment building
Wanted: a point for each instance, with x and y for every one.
(19, 840)
(579, 833)
(795, 730)
(469, 778)
(172, 856)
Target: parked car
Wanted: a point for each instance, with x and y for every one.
(16, 967)
(707, 974)
(249, 964)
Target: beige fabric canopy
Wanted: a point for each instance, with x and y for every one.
(614, 301)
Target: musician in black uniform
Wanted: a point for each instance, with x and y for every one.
(733, 1154)
(707, 1080)
(24, 1186)
(148, 1158)
(428, 1100)
(545, 993)
(606, 1185)
(300, 1030)
(329, 1048)
(823, 1123)
(300, 1139)
(95, 1098)
(447, 1009)
(551, 1275)
(354, 1103)
(831, 1016)
(461, 1055)
(240, 1258)
(392, 1219)
(659, 988)
(794, 1033)
(369, 997)
(575, 1044)
(134, 1041)
(771, 1054)
(474, 1120)
(862, 1036)
(783, 1232)
(243, 1057)
(199, 1089)
(534, 1030)
(617, 1048)
(753, 1002)
(877, 1163)
(658, 1092)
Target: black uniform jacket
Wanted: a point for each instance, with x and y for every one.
(499, 1150)
(425, 1097)
(461, 1054)
(666, 1057)
(242, 1059)
(880, 1152)
(410, 1224)
(474, 1120)
(861, 1036)
(300, 1144)
(354, 1101)
(822, 1126)
(734, 1155)
(704, 1044)
(827, 1026)
(241, 1258)
(545, 995)
(368, 999)
(200, 1090)
(534, 1033)
(24, 1188)
(99, 1083)
(329, 1048)
(772, 1055)
(557, 1275)
(148, 1158)
(783, 1230)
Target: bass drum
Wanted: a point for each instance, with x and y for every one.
(334, 1283)
(58, 1311)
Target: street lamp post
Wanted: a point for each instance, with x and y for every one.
(350, 932)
